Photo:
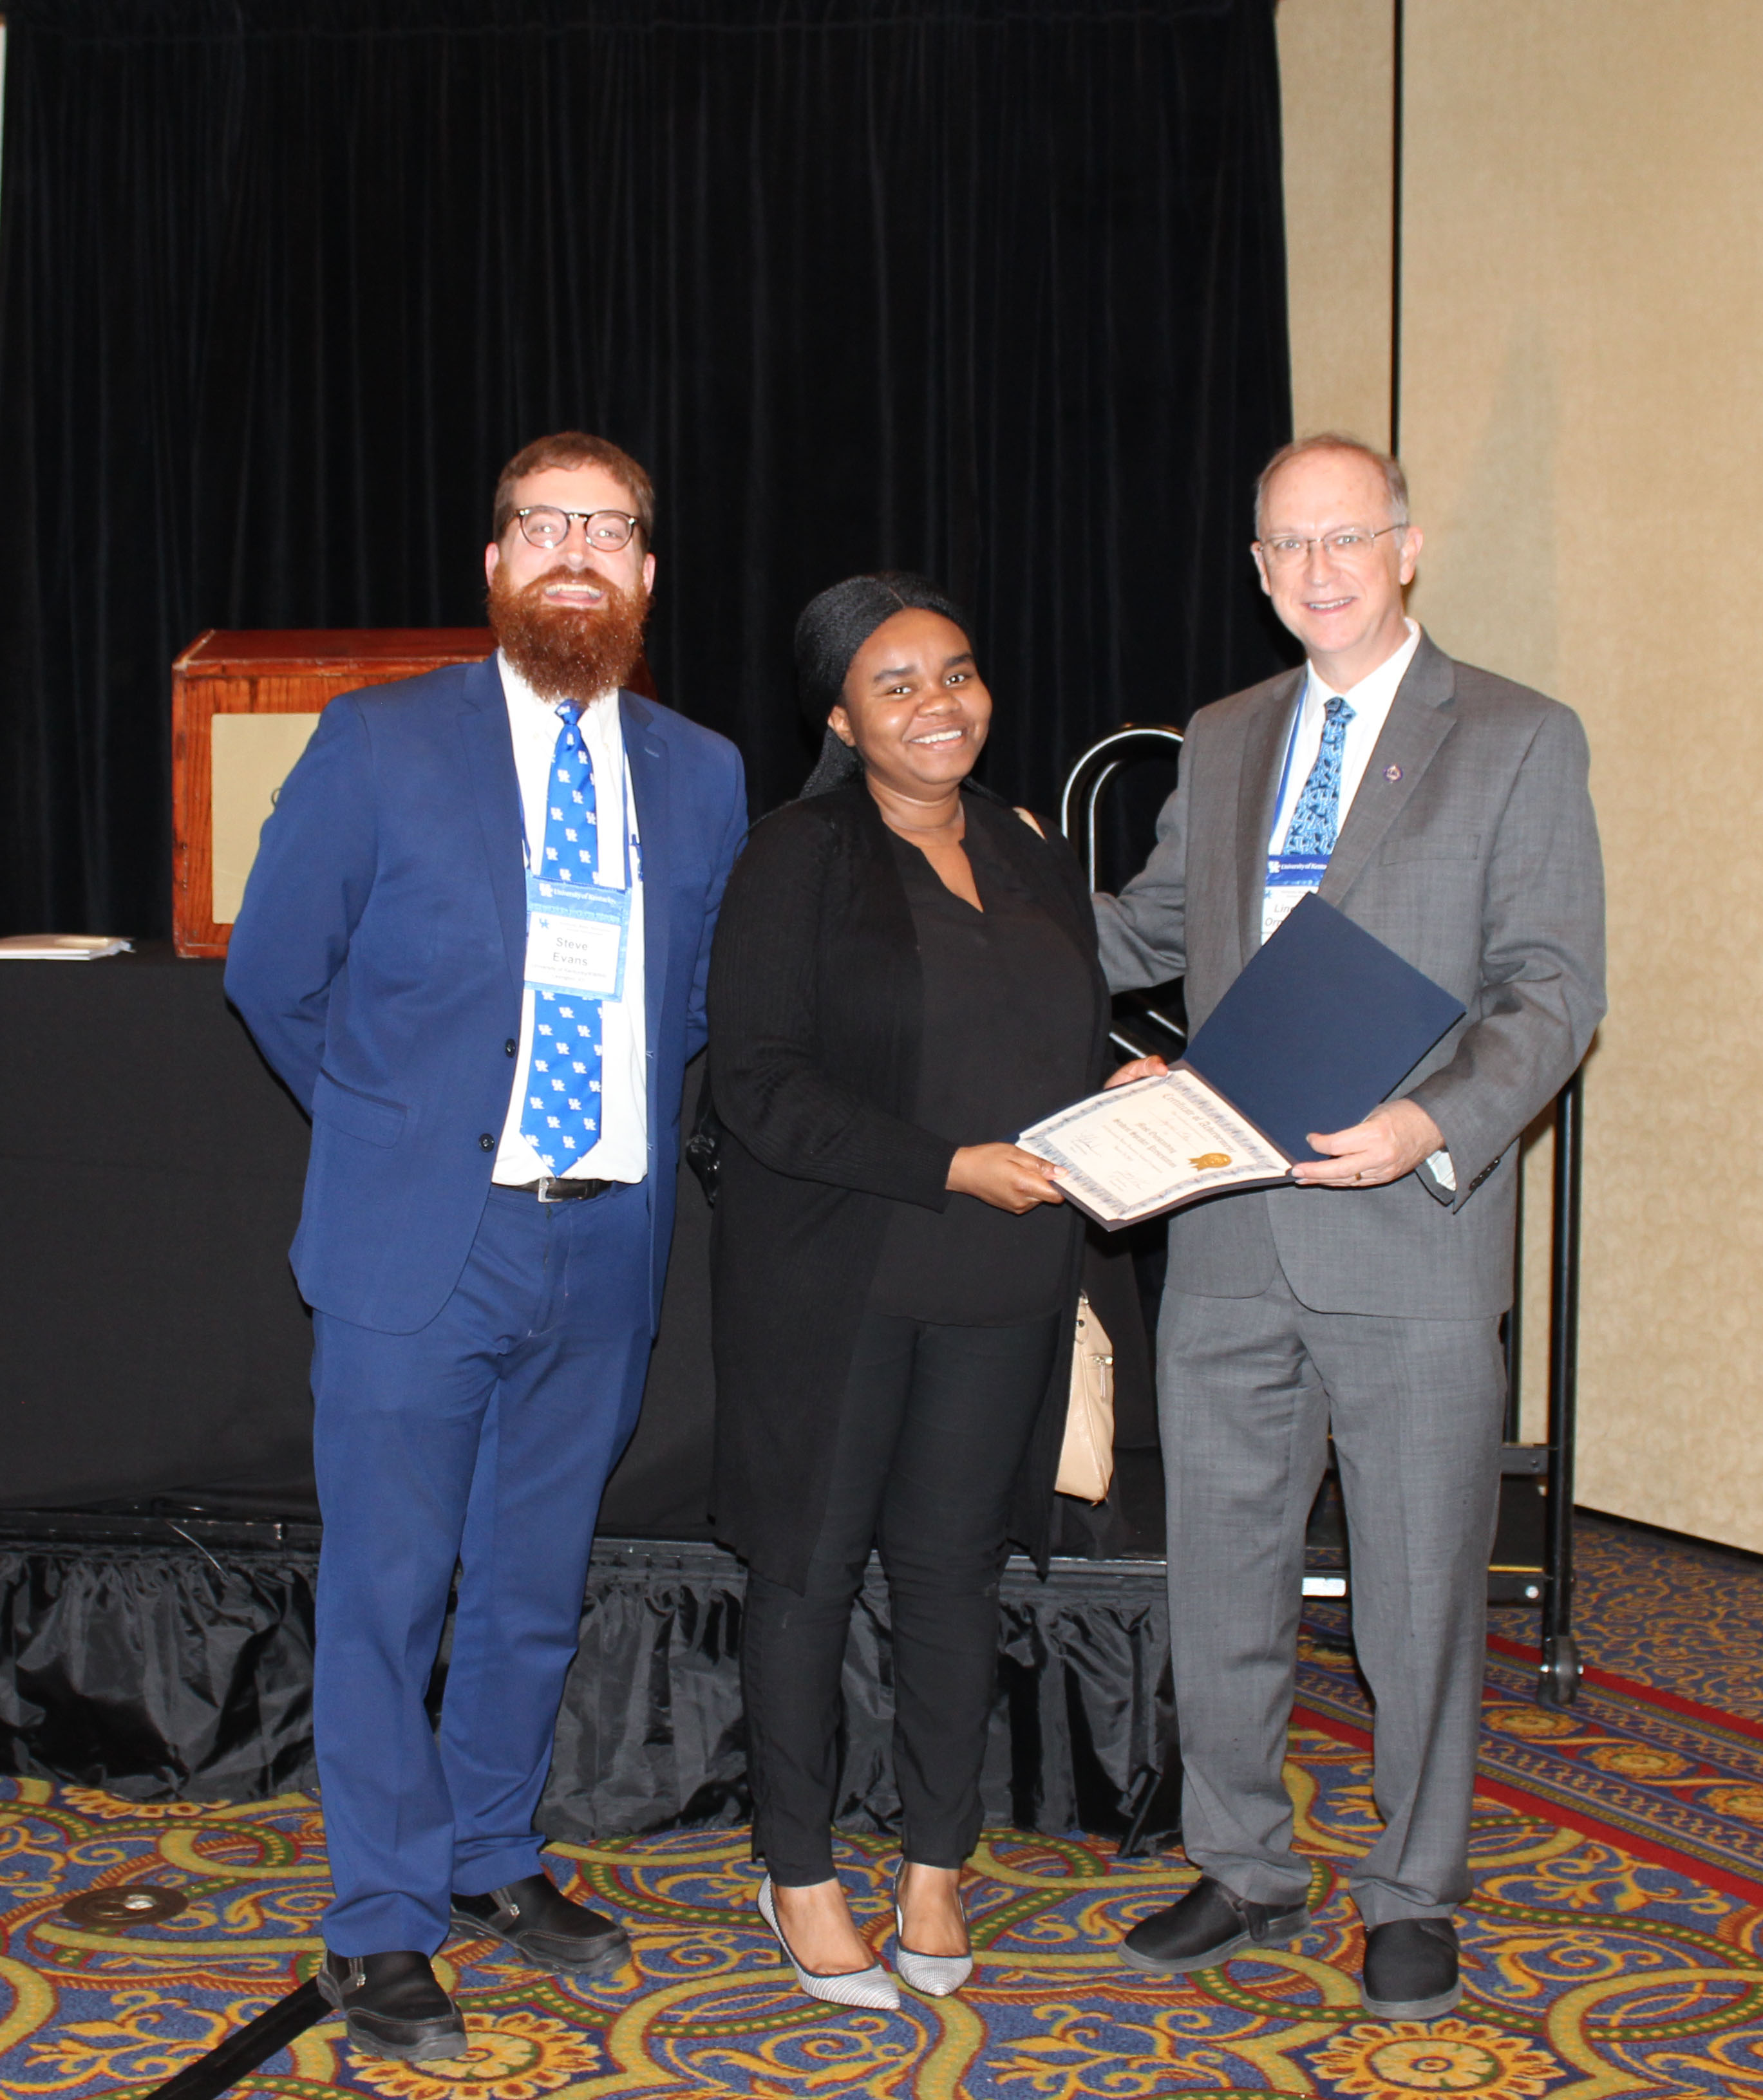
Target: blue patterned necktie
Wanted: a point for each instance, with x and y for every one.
(561, 1120)
(1317, 818)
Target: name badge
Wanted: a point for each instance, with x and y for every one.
(1289, 877)
(576, 936)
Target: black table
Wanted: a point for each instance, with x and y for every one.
(153, 1346)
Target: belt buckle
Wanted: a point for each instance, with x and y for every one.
(547, 1182)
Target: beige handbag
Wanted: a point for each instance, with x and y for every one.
(1086, 1461)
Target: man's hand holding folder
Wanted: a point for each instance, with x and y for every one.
(1392, 1141)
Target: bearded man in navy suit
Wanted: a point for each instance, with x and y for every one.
(474, 945)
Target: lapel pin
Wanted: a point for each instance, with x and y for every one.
(1392, 772)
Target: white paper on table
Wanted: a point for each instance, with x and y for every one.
(59, 948)
(1152, 1145)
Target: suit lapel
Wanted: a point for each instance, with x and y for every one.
(1264, 744)
(646, 755)
(1419, 720)
(496, 788)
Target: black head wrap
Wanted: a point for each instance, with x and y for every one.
(832, 627)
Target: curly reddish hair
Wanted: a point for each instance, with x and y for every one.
(575, 448)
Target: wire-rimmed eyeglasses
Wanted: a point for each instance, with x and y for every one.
(1352, 543)
(544, 525)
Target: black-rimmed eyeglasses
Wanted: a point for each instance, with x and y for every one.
(544, 525)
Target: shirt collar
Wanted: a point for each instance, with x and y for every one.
(1376, 688)
(521, 694)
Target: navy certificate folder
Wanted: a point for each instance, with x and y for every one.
(1323, 1024)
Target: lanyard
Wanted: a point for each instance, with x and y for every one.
(1285, 769)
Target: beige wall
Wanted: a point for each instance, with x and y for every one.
(1583, 424)
(1336, 63)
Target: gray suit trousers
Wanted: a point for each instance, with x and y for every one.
(1250, 1390)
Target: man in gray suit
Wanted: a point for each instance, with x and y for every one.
(1445, 810)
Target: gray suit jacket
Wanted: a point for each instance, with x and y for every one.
(1480, 864)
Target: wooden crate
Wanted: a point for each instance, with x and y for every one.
(294, 672)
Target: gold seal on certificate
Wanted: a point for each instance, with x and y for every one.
(1208, 1160)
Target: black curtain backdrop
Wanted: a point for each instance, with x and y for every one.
(994, 289)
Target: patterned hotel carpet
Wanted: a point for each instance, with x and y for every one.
(1613, 1946)
(1679, 1617)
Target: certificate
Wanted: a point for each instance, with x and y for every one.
(1153, 1145)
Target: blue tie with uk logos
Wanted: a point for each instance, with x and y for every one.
(1317, 819)
(561, 1118)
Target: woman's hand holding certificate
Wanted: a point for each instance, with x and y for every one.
(1003, 1175)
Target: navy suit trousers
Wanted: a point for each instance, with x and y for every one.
(484, 1440)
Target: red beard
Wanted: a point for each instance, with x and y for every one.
(563, 652)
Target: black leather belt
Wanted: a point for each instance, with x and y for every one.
(552, 1189)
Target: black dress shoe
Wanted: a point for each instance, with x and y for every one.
(1209, 1924)
(1411, 1969)
(544, 1927)
(392, 2005)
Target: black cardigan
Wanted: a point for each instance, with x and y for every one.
(815, 1009)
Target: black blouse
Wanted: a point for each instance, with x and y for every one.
(1007, 1039)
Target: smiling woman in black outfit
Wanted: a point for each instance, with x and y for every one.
(904, 976)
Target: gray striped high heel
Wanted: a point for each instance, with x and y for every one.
(935, 1975)
(873, 1987)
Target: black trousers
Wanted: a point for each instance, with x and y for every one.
(934, 1424)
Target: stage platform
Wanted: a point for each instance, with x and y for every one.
(179, 1669)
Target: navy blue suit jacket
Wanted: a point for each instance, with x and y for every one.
(379, 959)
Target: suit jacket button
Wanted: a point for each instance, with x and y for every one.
(510, 1047)
(486, 1142)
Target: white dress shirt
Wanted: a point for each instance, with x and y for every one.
(622, 1152)
(1370, 700)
